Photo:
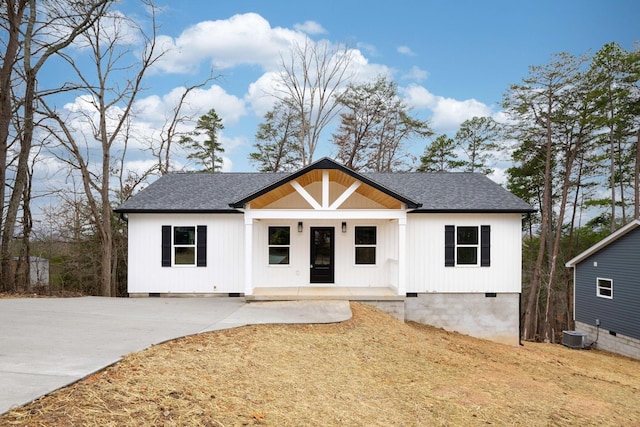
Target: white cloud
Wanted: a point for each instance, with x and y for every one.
(310, 27)
(139, 167)
(157, 109)
(447, 113)
(260, 93)
(245, 39)
(230, 144)
(405, 50)
(227, 164)
(499, 176)
(416, 74)
(369, 49)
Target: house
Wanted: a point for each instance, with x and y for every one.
(606, 283)
(437, 248)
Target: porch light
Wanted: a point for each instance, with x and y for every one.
(299, 226)
(344, 227)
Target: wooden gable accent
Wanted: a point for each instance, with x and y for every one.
(313, 183)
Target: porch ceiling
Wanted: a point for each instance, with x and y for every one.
(335, 176)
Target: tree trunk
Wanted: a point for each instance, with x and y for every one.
(7, 277)
(636, 190)
(612, 180)
(15, 12)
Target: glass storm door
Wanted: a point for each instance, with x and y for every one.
(322, 246)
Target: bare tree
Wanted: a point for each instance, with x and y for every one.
(310, 79)
(162, 150)
(109, 109)
(374, 126)
(41, 39)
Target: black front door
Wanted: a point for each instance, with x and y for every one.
(322, 255)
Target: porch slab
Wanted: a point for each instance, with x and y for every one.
(324, 293)
(383, 298)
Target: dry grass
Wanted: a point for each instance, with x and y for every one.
(371, 370)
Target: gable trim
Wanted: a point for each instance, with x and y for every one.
(326, 163)
(604, 242)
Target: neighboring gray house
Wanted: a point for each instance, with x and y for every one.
(607, 291)
(437, 248)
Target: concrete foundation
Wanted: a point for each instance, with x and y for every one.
(394, 308)
(494, 317)
(620, 344)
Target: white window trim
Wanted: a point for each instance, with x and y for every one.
(375, 246)
(598, 288)
(194, 246)
(269, 246)
(464, 245)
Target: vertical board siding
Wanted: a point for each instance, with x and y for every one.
(225, 255)
(424, 266)
(426, 271)
(620, 262)
(346, 272)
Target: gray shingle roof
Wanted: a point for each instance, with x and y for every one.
(199, 192)
(214, 192)
(452, 191)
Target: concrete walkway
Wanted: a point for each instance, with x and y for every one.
(48, 343)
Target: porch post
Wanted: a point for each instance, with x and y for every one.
(248, 255)
(402, 254)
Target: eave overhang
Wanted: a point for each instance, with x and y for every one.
(476, 211)
(177, 211)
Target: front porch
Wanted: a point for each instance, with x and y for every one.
(384, 298)
(324, 293)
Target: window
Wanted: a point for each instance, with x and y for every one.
(365, 243)
(468, 245)
(184, 245)
(604, 288)
(279, 245)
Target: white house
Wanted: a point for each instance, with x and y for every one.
(438, 248)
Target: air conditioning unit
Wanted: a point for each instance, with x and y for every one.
(574, 339)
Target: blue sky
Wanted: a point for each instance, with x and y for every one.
(452, 60)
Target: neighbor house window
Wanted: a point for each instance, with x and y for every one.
(279, 245)
(467, 245)
(365, 244)
(184, 245)
(604, 288)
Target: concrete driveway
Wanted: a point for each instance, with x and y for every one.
(48, 343)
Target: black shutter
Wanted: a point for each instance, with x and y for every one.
(166, 246)
(201, 246)
(449, 246)
(485, 246)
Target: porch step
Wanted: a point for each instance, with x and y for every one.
(323, 293)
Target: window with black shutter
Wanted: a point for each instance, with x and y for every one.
(467, 246)
(184, 246)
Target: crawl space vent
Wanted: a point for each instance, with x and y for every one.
(573, 339)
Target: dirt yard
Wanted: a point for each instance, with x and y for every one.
(369, 371)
